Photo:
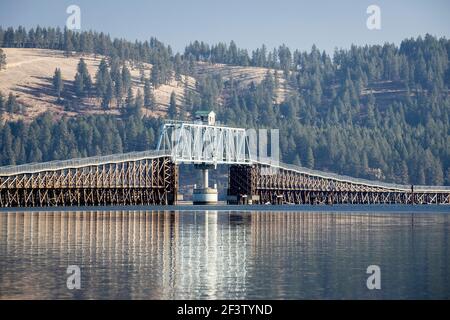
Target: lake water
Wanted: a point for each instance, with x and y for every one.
(220, 254)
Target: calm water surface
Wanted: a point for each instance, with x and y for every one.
(144, 254)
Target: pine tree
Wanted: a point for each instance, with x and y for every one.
(7, 156)
(79, 85)
(2, 59)
(371, 121)
(421, 175)
(129, 102)
(178, 65)
(141, 73)
(297, 160)
(115, 69)
(2, 103)
(68, 46)
(155, 76)
(404, 176)
(172, 111)
(310, 158)
(365, 163)
(101, 78)
(116, 77)
(118, 91)
(149, 99)
(83, 82)
(138, 104)
(58, 84)
(12, 105)
(126, 78)
(104, 85)
(437, 173)
(108, 95)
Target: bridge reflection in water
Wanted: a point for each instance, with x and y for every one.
(189, 255)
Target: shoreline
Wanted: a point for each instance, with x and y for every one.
(343, 208)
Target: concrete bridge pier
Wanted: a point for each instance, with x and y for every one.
(205, 178)
(205, 194)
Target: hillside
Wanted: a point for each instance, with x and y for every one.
(377, 112)
(244, 76)
(28, 75)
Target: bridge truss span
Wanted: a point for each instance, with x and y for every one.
(145, 178)
(197, 143)
(287, 184)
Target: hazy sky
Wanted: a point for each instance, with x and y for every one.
(298, 24)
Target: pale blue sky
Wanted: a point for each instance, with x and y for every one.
(298, 24)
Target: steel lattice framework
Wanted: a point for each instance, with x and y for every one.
(195, 143)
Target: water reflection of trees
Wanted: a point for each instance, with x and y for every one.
(334, 249)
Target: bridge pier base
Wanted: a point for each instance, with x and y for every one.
(205, 194)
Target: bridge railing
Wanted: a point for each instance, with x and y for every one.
(81, 162)
(136, 156)
(344, 178)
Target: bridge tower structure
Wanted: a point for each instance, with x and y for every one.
(205, 144)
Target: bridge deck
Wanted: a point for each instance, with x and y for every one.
(352, 180)
(151, 177)
(139, 178)
(286, 184)
(80, 162)
(137, 156)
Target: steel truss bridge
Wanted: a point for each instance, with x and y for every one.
(151, 177)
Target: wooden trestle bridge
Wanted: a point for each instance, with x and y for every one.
(286, 184)
(144, 178)
(151, 178)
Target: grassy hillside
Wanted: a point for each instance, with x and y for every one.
(378, 112)
(28, 75)
(244, 76)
